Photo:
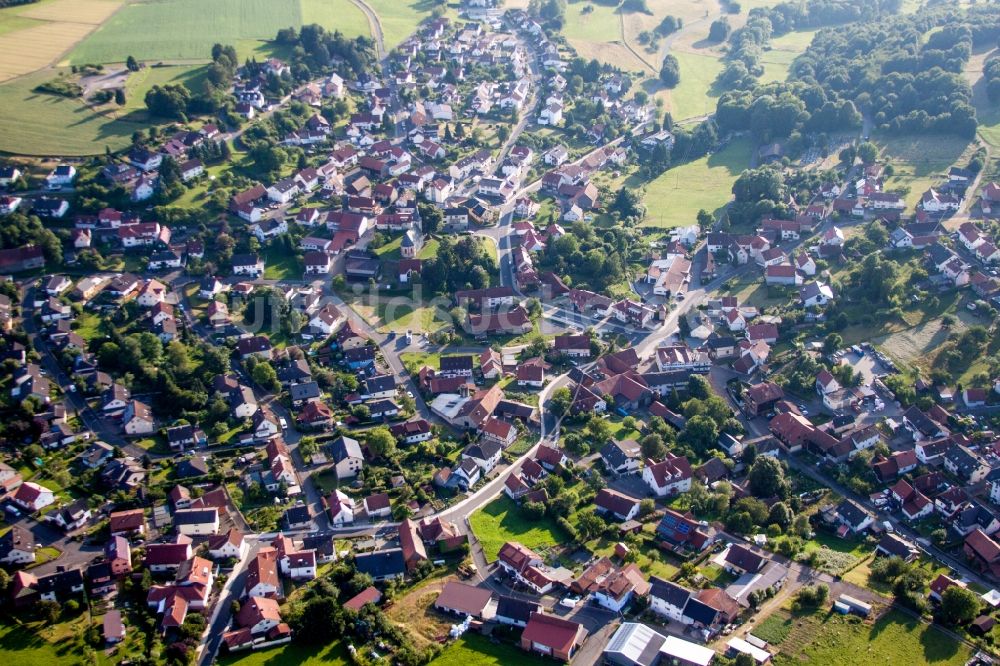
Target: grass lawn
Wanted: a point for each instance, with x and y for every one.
(281, 265)
(834, 555)
(594, 30)
(399, 314)
(45, 554)
(783, 50)
(295, 653)
(719, 576)
(591, 22)
(326, 480)
(342, 15)
(836, 640)
(920, 161)
(696, 94)
(141, 82)
(389, 251)
(491, 248)
(37, 124)
(59, 644)
(987, 114)
(430, 249)
(675, 197)
(619, 432)
(477, 649)
(186, 29)
(229, 434)
(88, 326)
(651, 560)
(755, 293)
(919, 345)
(500, 521)
(413, 361)
(154, 444)
(859, 575)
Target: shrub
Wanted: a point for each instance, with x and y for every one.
(811, 596)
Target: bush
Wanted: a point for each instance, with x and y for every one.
(888, 569)
(533, 510)
(71, 607)
(60, 87)
(567, 527)
(811, 596)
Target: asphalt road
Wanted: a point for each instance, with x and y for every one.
(103, 430)
(221, 616)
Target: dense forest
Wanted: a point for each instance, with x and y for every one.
(789, 16)
(903, 72)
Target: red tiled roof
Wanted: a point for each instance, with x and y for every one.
(369, 595)
(556, 633)
(127, 521)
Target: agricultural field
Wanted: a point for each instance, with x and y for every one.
(675, 197)
(836, 640)
(500, 521)
(696, 15)
(594, 30)
(36, 35)
(186, 29)
(613, 53)
(598, 30)
(399, 18)
(41, 124)
(342, 15)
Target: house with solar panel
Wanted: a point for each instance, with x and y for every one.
(678, 533)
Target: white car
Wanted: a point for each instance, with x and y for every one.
(283, 422)
(569, 602)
